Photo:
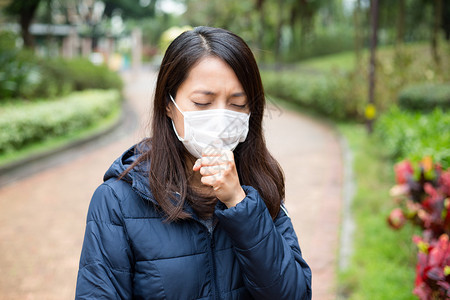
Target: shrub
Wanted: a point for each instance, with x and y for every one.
(423, 195)
(328, 94)
(19, 75)
(23, 75)
(323, 42)
(60, 76)
(337, 86)
(425, 97)
(27, 123)
(433, 268)
(422, 191)
(85, 75)
(415, 135)
(54, 80)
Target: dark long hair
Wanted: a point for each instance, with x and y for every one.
(169, 174)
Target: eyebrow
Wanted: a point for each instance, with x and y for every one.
(240, 94)
(203, 92)
(209, 93)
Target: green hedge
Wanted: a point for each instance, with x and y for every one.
(329, 94)
(425, 97)
(60, 76)
(407, 134)
(30, 122)
(323, 42)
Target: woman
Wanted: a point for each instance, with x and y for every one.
(195, 211)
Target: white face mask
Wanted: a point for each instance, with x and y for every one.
(220, 128)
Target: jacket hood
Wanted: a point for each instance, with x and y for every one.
(138, 177)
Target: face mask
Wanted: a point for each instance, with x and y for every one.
(220, 128)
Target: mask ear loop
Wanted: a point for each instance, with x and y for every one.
(173, 124)
(176, 105)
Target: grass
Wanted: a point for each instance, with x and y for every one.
(342, 61)
(383, 261)
(61, 141)
(345, 61)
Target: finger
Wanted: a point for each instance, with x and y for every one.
(197, 165)
(215, 169)
(210, 180)
(216, 156)
(215, 160)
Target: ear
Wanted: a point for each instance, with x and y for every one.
(169, 111)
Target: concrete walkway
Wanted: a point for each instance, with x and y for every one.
(42, 217)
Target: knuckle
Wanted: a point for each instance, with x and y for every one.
(202, 170)
(219, 181)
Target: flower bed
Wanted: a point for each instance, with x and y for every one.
(423, 196)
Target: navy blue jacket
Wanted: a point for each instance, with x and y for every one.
(130, 253)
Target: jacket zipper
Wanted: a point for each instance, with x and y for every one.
(213, 265)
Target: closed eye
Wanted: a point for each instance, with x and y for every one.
(239, 105)
(200, 104)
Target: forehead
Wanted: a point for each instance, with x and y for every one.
(214, 72)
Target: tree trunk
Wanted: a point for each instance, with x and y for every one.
(435, 33)
(400, 23)
(26, 15)
(372, 64)
(446, 20)
(278, 31)
(260, 37)
(294, 16)
(358, 33)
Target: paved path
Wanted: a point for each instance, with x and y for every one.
(42, 217)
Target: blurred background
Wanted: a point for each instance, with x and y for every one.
(376, 72)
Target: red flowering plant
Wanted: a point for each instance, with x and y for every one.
(423, 196)
(433, 268)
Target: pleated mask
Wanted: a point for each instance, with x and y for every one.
(219, 128)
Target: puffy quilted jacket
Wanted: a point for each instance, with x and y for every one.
(130, 253)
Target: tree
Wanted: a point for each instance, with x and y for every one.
(260, 37)
(358, 32)
(435, 32)
(374, 13)
(134, 9)
(400, 23)
(446, 20)
(24, 10)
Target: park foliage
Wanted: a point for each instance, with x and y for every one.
(340, 93)
(425, 97)
(336, 88)
(23, 123)
(40, 97)
(413, 135)
(24, 75)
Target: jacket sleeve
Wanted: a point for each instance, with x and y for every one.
(105, 263)
(268, 251)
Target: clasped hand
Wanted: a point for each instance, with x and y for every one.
(218, 170)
